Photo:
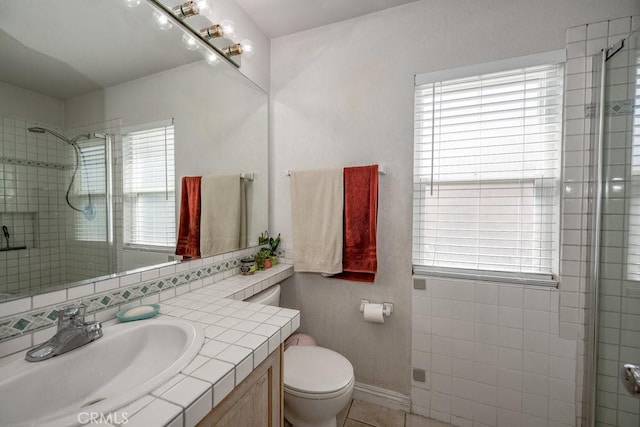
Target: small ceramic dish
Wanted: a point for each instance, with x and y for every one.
(138, 313)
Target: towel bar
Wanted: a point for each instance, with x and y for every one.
(382, 170)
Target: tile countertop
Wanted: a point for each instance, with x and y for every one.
(238, 337)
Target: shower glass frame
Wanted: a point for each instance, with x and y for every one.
(600, 377)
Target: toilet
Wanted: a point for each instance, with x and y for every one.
(318, 382)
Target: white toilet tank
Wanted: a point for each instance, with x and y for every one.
(270, 296)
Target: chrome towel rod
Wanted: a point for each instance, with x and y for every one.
(382, 170)
(249, 176)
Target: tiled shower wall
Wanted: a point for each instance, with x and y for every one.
(493, 355)
(506, 354)
(619, 313)
(33, 172)
(584, 44)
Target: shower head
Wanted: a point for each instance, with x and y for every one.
(72, 141)
(54, 133)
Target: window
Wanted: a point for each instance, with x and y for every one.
(486, 171)
(149, 187)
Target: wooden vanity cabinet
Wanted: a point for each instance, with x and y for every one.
(257, 402)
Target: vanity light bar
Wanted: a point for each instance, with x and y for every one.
(187, 29)
(382, 170)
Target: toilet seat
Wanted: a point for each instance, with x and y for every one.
(316, 372)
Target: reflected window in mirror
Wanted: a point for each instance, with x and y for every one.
(149, 187)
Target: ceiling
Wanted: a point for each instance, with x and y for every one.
(278, 18)
(45, 49)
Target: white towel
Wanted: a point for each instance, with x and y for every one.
(220, 214)
(316, 208)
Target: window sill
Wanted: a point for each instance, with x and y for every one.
(527, 279)
(156, 249)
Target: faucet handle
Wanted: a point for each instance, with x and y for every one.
(71, 315)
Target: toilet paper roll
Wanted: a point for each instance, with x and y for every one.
(373, 313)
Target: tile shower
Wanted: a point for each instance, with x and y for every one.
(35, 170)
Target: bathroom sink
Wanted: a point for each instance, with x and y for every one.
(129, 361)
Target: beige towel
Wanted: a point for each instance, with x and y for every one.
(316, 209)
(220, 219)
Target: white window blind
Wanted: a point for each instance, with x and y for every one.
(486, 171)
(91, 179)
(149, 189)
(633, 243)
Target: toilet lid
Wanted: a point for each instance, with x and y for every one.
(316, 370)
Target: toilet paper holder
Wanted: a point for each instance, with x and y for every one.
(387, 307)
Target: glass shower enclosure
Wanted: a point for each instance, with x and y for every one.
(612, 382)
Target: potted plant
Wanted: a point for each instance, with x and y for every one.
(262, 258)
(273, 243)
(263, 238)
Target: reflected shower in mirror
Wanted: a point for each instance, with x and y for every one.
(96, 133)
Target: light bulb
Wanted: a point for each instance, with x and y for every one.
(189, 42)
(132, 3)
(186, 9)
(162, 21)
(212, 59)
(247, 48)
(228, 28)
(203, 6)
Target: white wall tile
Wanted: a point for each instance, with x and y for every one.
(597, 30)
(511, 296)
(14, 307)
(575, 34)
(511, 317)
(50, 298)
(536, 299)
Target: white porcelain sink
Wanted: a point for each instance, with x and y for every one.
(130, 360)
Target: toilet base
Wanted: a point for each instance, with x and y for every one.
(295, 422)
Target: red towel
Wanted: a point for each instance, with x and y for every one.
(360, 262)
(189, 230)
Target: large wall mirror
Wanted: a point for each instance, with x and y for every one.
(102, 112)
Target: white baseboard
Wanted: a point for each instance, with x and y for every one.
(381, 396)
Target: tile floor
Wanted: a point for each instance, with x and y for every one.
(364, 414)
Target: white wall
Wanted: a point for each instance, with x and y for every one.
(343, 95)
(220, 123)
(257, 67)
(25, 104)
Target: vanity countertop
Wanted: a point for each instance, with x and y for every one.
(238, 337)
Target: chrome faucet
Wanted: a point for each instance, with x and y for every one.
(73, 332)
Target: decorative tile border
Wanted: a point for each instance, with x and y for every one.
(22, 162)
(613, 108)
(35, 320)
